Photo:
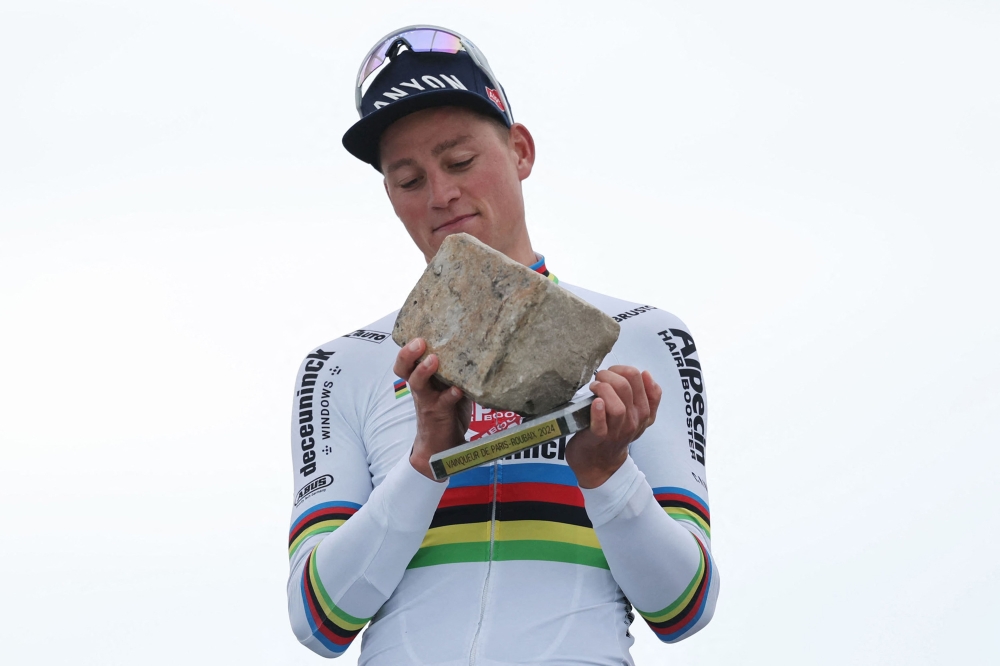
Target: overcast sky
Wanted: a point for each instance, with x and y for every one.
(812, 187)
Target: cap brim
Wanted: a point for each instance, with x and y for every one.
(362, 139)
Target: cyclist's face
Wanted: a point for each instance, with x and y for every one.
(449, 170)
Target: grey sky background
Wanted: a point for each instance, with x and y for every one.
(812, 187)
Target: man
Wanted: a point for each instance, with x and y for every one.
(536, 558)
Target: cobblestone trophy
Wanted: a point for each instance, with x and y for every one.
(510, 339)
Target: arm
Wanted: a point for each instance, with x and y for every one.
(350, 543)
(343, 573)
(656, 541)
(666, 572)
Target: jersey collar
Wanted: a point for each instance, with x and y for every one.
(539, 267)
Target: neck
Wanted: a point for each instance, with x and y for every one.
(520, 249)
(524, 255)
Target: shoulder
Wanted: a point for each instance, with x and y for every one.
(365, 351)
(635, 319)
(650, 337)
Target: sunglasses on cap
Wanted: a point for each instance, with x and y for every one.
(425, 38)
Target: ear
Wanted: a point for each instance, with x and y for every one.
(523, 145)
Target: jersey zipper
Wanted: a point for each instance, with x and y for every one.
(489, 565)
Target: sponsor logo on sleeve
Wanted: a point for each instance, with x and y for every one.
(700, 481)
(368, 336)
(325, 397)
(681, 346)
(307, 385)
(317, 485)
(632, 313)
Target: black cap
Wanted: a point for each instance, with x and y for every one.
(413, 81)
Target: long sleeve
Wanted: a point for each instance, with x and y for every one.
(651, 517)
(665, 570)
(353, 531)
(342, 581)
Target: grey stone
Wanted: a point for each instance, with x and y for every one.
(506, 335)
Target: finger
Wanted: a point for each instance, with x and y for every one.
(614, 409)
(655, 393)
(420, 379)
(623, 391)
(639, 399)
(598, 418)
(451, 396)
(464, 410)
(406, 359)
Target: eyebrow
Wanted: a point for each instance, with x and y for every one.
(398, 164)
(450, 143)
(436, 151)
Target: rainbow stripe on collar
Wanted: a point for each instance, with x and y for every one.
(539, 267)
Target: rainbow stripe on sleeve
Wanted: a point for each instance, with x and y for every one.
(671, 623)
(685, 506)
(334, 628)
(540, 515)
(325, 517)
(400, 388)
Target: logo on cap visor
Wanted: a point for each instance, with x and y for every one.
(495, 97)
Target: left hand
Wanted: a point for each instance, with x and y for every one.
(626, 405)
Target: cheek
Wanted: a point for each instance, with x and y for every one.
(492, 186)
(500, 191)
(407, 209)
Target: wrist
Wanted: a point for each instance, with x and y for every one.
(609, 500)
(422, 464)
(593, 476)
(420, 459)
(593, 479)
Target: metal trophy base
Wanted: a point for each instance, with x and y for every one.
(574, 417)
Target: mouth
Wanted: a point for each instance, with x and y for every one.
(455, 222)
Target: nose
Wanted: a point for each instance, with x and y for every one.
(443, 190)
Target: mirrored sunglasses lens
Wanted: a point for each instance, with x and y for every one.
(375, 60)
(433, 40)
(421, 40)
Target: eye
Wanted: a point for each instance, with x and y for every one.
(409, 184)
(463, 163)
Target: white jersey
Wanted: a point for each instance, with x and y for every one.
(511, 562)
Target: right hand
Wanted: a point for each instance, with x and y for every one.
(443, 413)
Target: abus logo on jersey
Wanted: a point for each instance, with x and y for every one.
(368, 336)
(495, 98)
(312, 488)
